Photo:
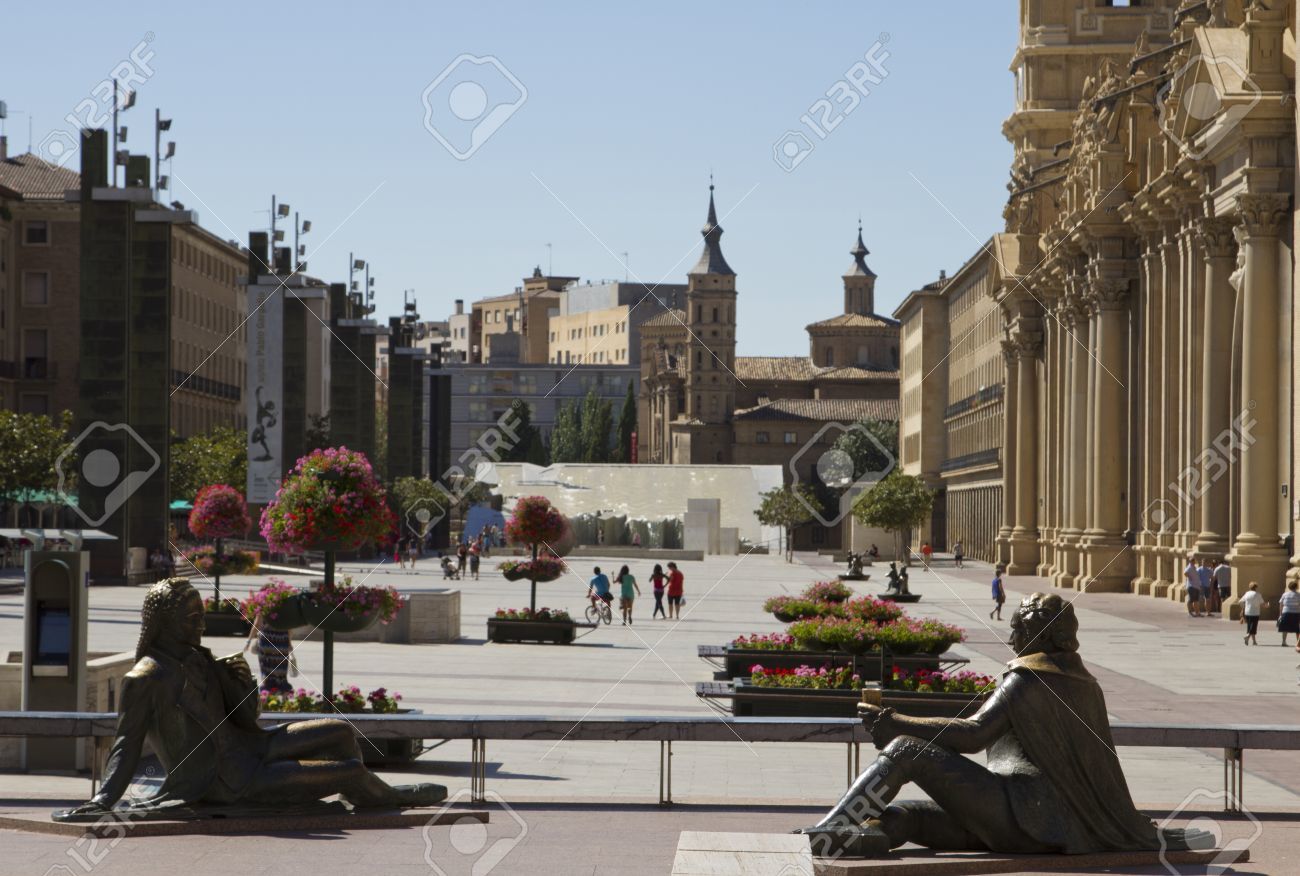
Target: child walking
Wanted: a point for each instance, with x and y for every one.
(658, 581)
(999, 594)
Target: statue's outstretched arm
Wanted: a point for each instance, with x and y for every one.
(965, 735)
(132, 727)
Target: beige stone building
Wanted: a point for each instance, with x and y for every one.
(1148, 317)
(40, 305)
(952, 400)
(528, 308)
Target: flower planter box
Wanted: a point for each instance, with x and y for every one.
(554, 632)
(738, 660)
(782, 702)
(899, 597)
(225, 623)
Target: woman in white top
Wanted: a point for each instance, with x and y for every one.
(1251, 605)
(1288, 620)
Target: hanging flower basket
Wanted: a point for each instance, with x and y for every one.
(219, 512)
(330, 498)
(542, 569)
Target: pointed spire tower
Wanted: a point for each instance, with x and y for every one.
(711, 345)
(711, 260)
(859, 281)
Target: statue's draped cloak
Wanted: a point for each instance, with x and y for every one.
(1059, 718)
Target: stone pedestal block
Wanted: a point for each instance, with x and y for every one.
(427, 618)
(696, 531)
(713, 508)
(729, 541)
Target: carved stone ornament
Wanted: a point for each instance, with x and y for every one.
(1215, 236)
(1262, 214)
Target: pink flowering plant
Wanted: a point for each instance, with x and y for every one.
(219, 512)
(331, 497)
(267, 601)
(348, 699)
(827, 591)
(764, 642)
(806, 677)
(928, 681)
(788, 608)
(357, 601)
(868, 608)
(537, 523)
(208, 562)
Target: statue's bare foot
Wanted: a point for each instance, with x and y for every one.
(855, 841)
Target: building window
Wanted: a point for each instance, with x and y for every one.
(791, 437)
(715, 314)
(828, 358)
(36, 288)
(762, 438)
(699, 313)
(35, 354)
(36, 232)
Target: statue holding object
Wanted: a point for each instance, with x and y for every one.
(1053, 783)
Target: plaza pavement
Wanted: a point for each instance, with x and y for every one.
(1154, 662)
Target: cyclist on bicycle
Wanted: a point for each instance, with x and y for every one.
(598, 588)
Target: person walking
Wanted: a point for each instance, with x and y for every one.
(412, 550)
(1223, 581)
(927, 553)
(1209, 593)
(462, 554)
(1288, 619)
(1252, 603)
(1193, 579)
(676, 580)
(957, 555)
(475, 555)
(628, 592)
(999, 594)
(274, 650)
(658, 580)
(398, 554)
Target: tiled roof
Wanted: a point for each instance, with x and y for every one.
(32, 178)
(853, 372)
(842, 410)
(672, 317)
(774, 368)
(855, 320)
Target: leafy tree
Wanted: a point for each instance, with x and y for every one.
(219, 457)
(597, 421)
(530, 447)
(566, 437)
(898, 504)
(872, 445)
(626, 427)
(380, 459)
(789, 508)
(318, 432)
(30, 446)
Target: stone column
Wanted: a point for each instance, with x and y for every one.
(1215, 236)
(1003, 544)
(1066, 532)
(1258, 555)
(1161, 510)
(1151, 390)
(1047, 465)
(1077, 440)
(1110, 563)
(1024, 538)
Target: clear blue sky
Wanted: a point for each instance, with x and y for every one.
(627, 111)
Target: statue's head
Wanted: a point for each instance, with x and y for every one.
(172, 614)
(1044, 624)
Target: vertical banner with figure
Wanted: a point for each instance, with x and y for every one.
(264, 392)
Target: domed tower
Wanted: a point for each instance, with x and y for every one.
(711, 318)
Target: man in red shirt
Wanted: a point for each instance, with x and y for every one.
(675, 579)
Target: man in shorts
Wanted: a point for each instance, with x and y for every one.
(1192, 575)
(1223, 580)
(598, 588)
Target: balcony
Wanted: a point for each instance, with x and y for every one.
(984, 396)
(971, 460)
(208, 386)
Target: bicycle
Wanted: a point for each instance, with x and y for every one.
(598, 610)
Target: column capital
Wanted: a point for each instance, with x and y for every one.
(1109, 293)
(1214, 234)
(1023, 345)
(1262, 213)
